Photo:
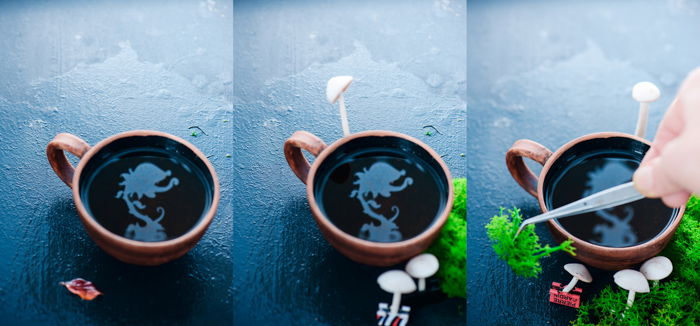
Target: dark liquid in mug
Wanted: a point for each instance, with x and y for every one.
(381, 196)
(620, 226)
(147, 195)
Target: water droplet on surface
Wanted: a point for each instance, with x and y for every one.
(502, 122)
(199, 81)
(434, 80)
(271, 123)
(397, 92)
(283, 109)
(667, 79)
(163, 94)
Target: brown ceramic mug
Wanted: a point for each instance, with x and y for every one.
(554, 165)
(155, 252)
(354, 247)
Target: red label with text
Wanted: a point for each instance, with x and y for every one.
(570, 299)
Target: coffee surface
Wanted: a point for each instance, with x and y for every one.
(381, 196)
(147, 195)
(621, 226)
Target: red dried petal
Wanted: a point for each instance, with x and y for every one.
(85, 289)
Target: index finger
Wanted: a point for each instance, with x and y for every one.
(684, 109)
(671, 126)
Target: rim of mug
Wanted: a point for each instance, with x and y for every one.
(671, 227)
(425, 234)
(190, 236)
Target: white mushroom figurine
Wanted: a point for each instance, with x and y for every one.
(579, 273)
(396, 282)
(422, 267)
(632, 281)
(334, 92)
(657, 268)
(644, 93)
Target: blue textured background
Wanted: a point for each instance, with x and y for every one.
(94, 69)
(408, 60)
(551, 71)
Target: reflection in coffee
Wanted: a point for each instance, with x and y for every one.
(621, 226)
(147, 195)
(381, 195)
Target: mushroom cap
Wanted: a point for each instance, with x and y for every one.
(631, 280)
(422, 266)
(336, 86)
(579, 271)
(396, 280)
(645, 92)
(657, 268)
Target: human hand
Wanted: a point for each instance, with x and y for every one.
(671, 168)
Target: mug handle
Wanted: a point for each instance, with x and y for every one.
(520, 172)
(57, 158)
(292, 151)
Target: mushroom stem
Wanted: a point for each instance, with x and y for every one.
(644, 93)
(421, 284)
(395, 303)
(630, 299)
(571, 285)
(343, 116)
(641, 129)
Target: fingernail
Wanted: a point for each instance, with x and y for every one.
(643, 181)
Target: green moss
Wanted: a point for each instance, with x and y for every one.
(673, 302)
(459, 208)
(670, 303)
(523, 253)
(684, 249)
(451, 245)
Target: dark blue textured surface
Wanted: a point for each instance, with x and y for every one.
(95, 69)
(409, 64)
(551, 71)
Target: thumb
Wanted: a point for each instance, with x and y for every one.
(651, 180)
(675, 170)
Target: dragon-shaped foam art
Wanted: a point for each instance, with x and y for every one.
(139, 182)
(618, 232)
(373, 182)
